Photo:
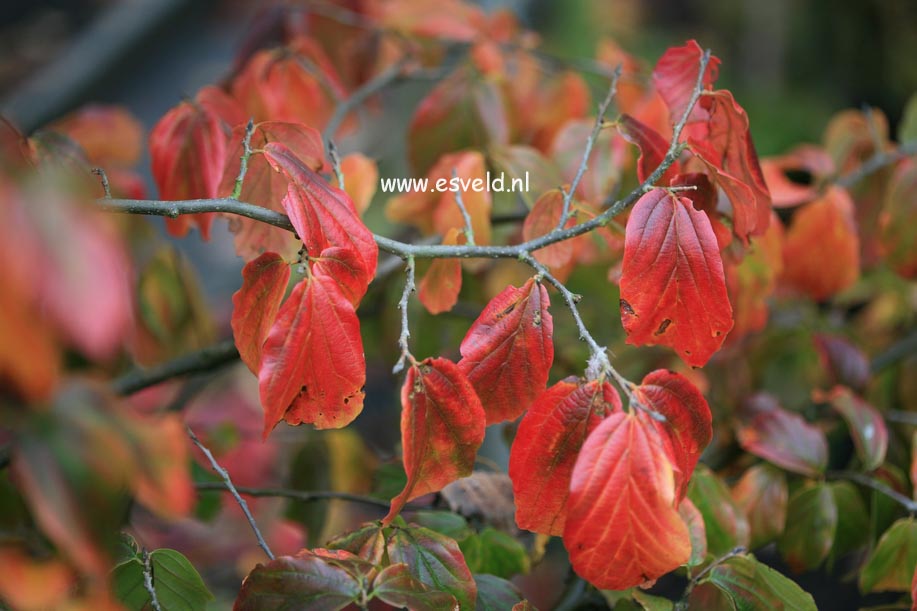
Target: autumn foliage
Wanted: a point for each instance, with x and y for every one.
(760, 318)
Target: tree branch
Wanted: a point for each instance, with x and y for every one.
(296, 495)
(409, 287)
(693, 583)
(227, 482)
(879, 160)
(877, 485)
(359, 95)
(206, 359)
(587, 152)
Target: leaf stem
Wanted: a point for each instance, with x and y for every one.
(460, 202)
(409, 287)
(243, 160)
(295, 495)
(695, 581)
(227, 482)
(877, 485)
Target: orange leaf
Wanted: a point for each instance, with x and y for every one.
(689, 423)
(442, 427)
(361, 177)
(255, 305)
(623, 528)
(546, 447)
(508, 351)
(110, 135)
(30, 583)
(821, 252)
(673, 291)
(440, 286)
(544, 218)
(312, 364)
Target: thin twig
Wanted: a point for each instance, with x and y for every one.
(243, 160)
(439, 251)
(900, 417)
(103, 178)
(877, 485)
(296, 495)
(409, 287)
(227, 481)
(336, 163)
(148, 581)
(460, 202)
(683, 603)
(587, 152)
(207, 359)
(898, 351)
(879, 160)
(360, 95)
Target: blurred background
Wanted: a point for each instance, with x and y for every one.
(791, 63)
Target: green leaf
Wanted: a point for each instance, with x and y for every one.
(396, 586)
(811, 523)
(435, 560)
(752, 586)
(907, 130)
(891, 565)
(367, 542)
(177, 583)
(496, 553)
(446, 523)
(304, 581)
(648, 602)
(495, 594)
(726, 524)
(852, 519)
(636, 599)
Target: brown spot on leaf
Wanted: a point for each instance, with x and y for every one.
(663, 326)
(627, 309)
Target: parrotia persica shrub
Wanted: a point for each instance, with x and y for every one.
(776, 407)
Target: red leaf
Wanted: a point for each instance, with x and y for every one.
(785, 439)
(345, 267)
(806, 158)
(312, 364)
(673, 291)
(255, 305)
(439, 288)
(652, 145)
(725, 145)
(897, 223)
(867, 427)
(821, 252)
(322, 215)
(689, 423)
(675, 76)
(442, 427)
(508, 351)
(546, 447)
(623, 528)
(265, 187)
(188, 148)
(361, 177)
